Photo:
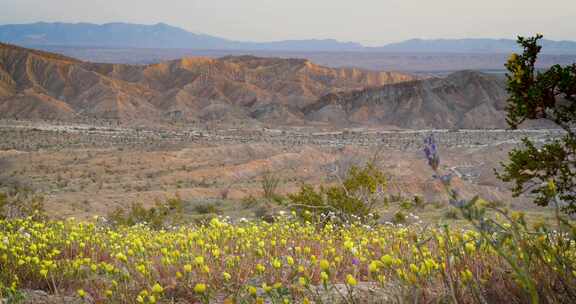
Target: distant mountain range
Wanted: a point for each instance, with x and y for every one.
(474, 45)
(124, 35)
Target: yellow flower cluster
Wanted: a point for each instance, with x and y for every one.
(287, 259)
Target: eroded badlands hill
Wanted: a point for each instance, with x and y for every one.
(42, 85)
(464, 99)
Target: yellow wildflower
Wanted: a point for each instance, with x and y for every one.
(350, 280)
(157, 288)
(200, 288)
(81, 293)
(324, 265)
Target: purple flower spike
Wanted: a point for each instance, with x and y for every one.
(355, 261)
(431, 152)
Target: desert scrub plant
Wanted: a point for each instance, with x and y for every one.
(165, 213)
(265, 213)
(451, 213)
(207, 208)
(270, 182)
(19, 202)
(249, 202)
(399, 218)
(355, 198)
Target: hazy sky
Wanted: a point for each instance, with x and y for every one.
(366, 21)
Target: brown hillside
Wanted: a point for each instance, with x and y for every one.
(464, 99)
(29, 77)
(230, 88)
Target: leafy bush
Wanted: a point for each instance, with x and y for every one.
(354, 198)
(399, 218)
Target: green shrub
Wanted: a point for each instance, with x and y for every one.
(406, 205)
(399, 218)
(354, 199)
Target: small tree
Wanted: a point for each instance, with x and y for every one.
(549, 95)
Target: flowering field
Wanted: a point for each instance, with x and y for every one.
(288, 261)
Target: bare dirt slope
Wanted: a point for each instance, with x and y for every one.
(87, 181)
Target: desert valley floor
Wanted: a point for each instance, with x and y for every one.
(85, 170)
